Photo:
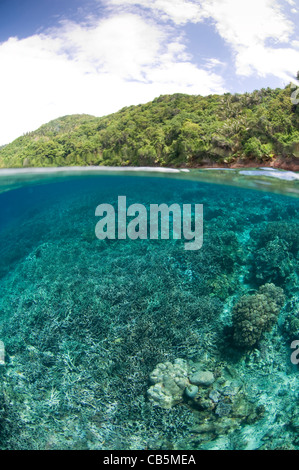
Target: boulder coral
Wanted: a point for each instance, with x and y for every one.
(203, 378)
(255, 314)
(169, 382)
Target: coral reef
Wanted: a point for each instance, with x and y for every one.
(203, 378)
(286, 231)
(2, 353)
(170, 381)
(291, 321)
(255, 314)
(85, 323)
(173, 381)
(191, 391)
(219, 403)
(272, 263)
(274, 257)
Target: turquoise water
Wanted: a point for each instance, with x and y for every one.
(85, 322)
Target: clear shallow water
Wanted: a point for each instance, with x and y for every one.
(277, 181)
(86, 321)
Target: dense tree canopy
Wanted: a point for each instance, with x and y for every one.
(172, 130)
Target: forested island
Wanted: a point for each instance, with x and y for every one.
(179, 130)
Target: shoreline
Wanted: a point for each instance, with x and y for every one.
(155, 169)
(278, 164)
(290, 165)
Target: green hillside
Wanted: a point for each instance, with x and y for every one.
(172, 130)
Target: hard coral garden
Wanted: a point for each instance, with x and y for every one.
(274, 257)
(86, 321)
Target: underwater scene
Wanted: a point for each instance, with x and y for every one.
(116, 337)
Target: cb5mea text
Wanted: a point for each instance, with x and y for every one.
(151, 459)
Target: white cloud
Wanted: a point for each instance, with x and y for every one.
(245, 23)
(121, 44)
(247, 27)
(184, 75)
(212, 63)
(178, 11)
(237, 21)
(281, 62)
(96, 69)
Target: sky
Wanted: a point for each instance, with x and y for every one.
(60, 57)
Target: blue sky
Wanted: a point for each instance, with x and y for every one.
(61, 57)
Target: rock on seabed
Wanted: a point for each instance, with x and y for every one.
(201, 377)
